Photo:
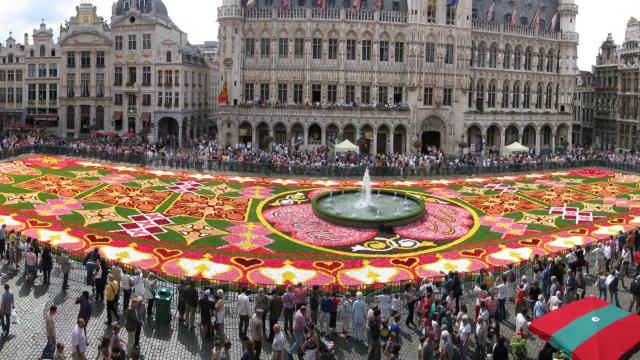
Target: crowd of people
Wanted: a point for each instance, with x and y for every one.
(309, 319)
(166, 152)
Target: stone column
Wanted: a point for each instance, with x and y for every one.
(374, 143)
(254, 135)
(503, 135)
(390, 142)
(538, 133)
(553, 140)
(323, 136)
(180, 124)
(76, 121)
(306, 137)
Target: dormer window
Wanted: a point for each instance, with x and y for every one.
(127, 5)
(169, 56)
(43, 52)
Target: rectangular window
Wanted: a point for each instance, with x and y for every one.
(167, 99)
(448, 54)
(427, 98)
(146, 100)
(384, 51)
(447, 97)
(316, 93)
(349, 94)
(71, 59)
(365, 94)
(3, 95)
(133, 100)
(176, 78)
(366, 50)
(146, 76)
(146, 41)
(397, 95)
(283, 48)
(85, 81)
(100, 59)
(282, 93)
(85, 59)
(118, 42)
(264, 92)
(430, 53)
(31, 92)
(117, 76)
(298, 48)
(131, 79)
(265, 47)
(19, 95)
(383, 95)
(332, 49)
(297, 93)
(71, 84)
(351, 49)
(160, 98)
(10, 97)
(3, 74)
(99, 85)
(10, 75)
(168, 78)
(160, 77)
(332, 94)
(42, 70)
(316, 48)
(53, 70)
(31, 72)
(176, 99)
(249, 47)
(117, 99)
(248, 92)
(133, 42)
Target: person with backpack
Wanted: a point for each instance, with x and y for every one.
(612, 286)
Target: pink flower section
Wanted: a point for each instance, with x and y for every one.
(57, 207)
(256, 192)
(302, 224)
(116, 178)
(623, 203)
(443, 192)
(503, 225)
(440, 222)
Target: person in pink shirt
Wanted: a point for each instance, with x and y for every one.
(300, 293)
(30, 264)
(492, 304)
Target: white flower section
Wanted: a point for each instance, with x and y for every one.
(372, 274)
(513, 255)
(287, 273)
(206, 268)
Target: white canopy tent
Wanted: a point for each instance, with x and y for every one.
(346, 146)
(516, 147)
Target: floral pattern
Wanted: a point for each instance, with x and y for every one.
(58, 185)
(58, 207)
(210, 207)
(502, 203)
(559, 196)
(440, 222)
(125, 196)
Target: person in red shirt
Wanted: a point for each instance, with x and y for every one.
(334, 311)
(521, 295)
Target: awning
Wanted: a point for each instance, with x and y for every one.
(117, 115)
(346, 146)
(146, 116)
(590, 329)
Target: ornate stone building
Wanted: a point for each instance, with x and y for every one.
(583, 125)
(160, 81)
(411, 74)
(616, 78)
(12, 68)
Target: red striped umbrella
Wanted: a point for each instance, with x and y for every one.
(590, 329)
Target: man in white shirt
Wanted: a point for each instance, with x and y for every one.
(126, 283)
(244, 309)
(79, 341)
(464, 332)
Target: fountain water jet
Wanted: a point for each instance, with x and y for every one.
(365, 191)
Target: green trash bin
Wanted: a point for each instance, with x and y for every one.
(163, 299)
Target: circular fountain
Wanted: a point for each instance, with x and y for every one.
(368, 208)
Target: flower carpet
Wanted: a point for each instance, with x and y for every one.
(263, 230)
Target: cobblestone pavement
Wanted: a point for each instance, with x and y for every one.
(172, 341)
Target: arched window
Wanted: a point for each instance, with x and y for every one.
(10, 58)
(506, 63)
(517, 61)
(491, 97)
(169, 56)
(550, 61)
(505, 94)
(471, 88)
(539, 96)
(540, 67)
(516, 96)
(548, 96)
(43, 51)
(557, 95)
(527, 59)
(53, 52)
(473, 54)
(32, 53)
(480, 96)
(493, 56)
(527, 96)
(482, 55)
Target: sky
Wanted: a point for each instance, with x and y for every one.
(198, 19)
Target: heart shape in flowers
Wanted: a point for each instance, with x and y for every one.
(618, 221)
(476, 253)
(35, 223)
(582, 231)
(408, 262)
(166, 254)
(97, 240)
(531, 242)
(330, 266)
(247, 262)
